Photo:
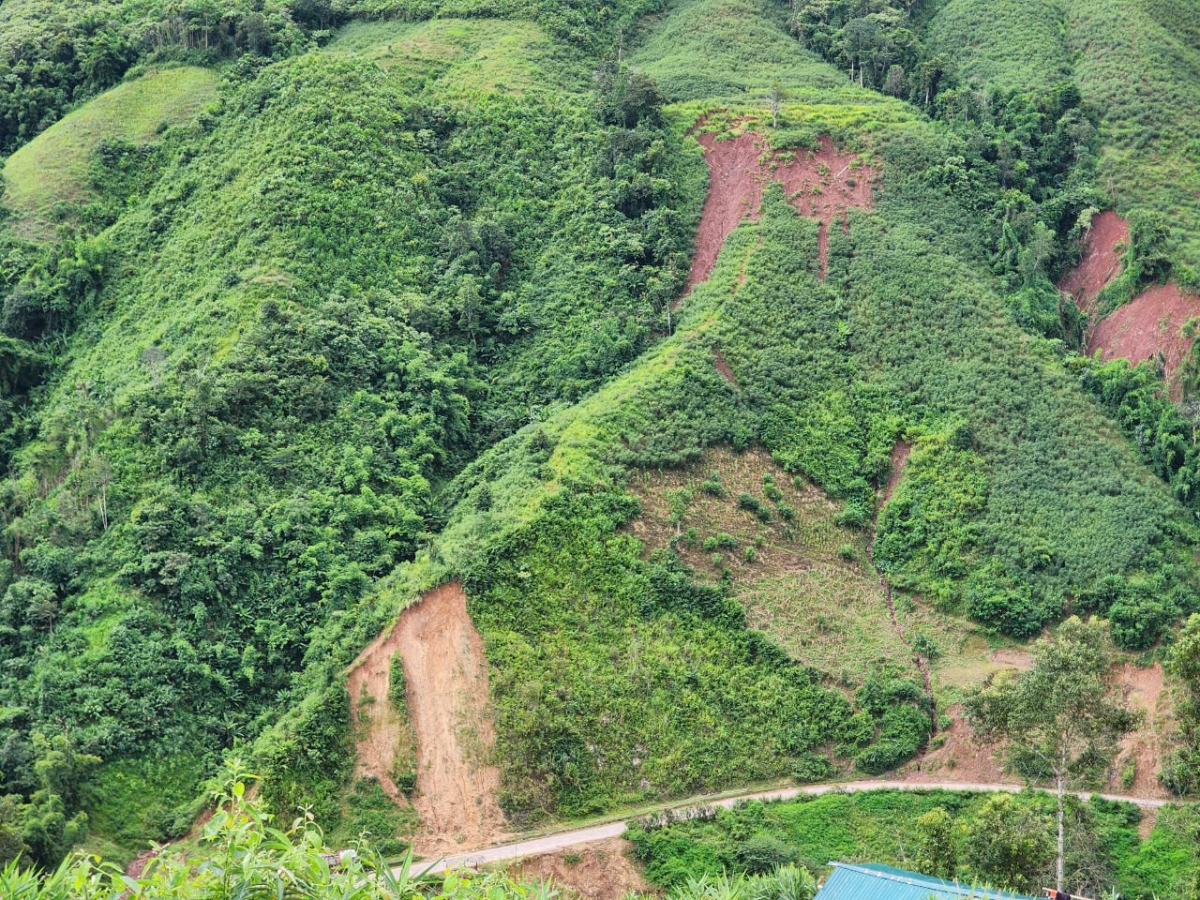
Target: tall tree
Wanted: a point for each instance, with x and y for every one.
(1067, 706)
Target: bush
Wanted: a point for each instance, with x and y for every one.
(765, 852)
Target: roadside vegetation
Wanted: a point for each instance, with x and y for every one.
(998, 839)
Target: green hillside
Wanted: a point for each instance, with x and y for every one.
(1136, 64)
(54, 168)
(351, 300)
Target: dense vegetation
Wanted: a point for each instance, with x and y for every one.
(242, 852)
(387, 298)
(993, 839)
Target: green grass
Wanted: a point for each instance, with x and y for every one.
(1137, 64)
(731, 50)
(53, 168)
(131, 801)
(1014, 45)
(464, 57)
(826, 611)
(1138, 67)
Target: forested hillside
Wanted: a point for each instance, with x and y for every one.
(310, 307)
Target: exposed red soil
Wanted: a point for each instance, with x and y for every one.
(599, 871)
(819, 184)
(960, 758)
(1101, 261)
(448, 704)
(900, 454)
(1142, 689)
(723, 367)
(1148, 327)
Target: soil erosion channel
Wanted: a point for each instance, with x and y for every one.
(447, 698)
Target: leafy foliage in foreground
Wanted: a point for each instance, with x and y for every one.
(243, 853)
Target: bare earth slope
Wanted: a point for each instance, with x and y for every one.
(821, 184)
(447, 693)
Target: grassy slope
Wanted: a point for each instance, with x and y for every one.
(1137, 63)
(729, 50)
(53, 168)
(295, 241)
(462, 56)
(1012, 45)
(1139, 68)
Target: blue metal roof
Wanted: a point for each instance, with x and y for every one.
(871, 881)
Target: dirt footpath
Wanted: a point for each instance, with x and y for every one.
(448, 704)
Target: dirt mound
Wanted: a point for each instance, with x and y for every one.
(448, 703)
(1101, 261)
(599, 871)
(1148, 327)
(820, 184)
(1143, 690)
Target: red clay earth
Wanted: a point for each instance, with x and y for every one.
(1148, 326)
(1142, 329)
(1101, 261)
(819, 184)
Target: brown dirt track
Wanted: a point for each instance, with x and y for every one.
(819, 184)
(448, 703)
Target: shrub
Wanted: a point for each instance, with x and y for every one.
(752, 504)
(765, 852)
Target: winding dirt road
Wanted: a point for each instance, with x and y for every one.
(562, 840)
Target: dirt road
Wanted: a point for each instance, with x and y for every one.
(562, 840)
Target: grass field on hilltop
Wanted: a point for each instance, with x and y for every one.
(464, 56)
(53, 168)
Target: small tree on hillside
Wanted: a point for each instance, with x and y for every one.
(937, 849)
(776, 97)
(1065, 708)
